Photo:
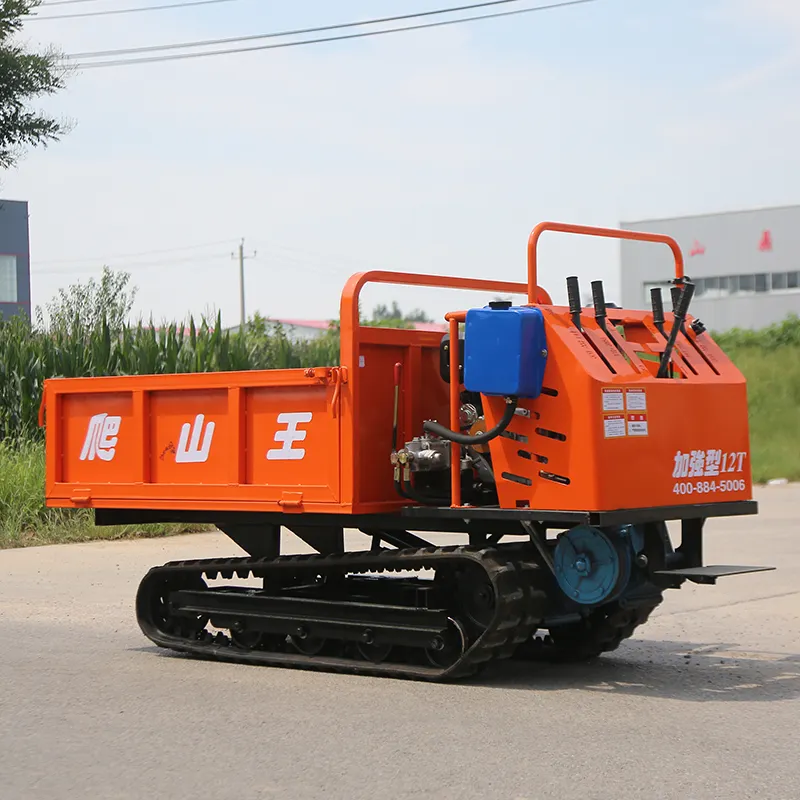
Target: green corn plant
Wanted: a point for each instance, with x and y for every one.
(29, 354)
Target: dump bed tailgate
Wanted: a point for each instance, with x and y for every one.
(202, 441)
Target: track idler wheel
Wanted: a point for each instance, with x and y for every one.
(153, 610)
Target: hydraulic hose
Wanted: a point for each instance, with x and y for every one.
(481, 438)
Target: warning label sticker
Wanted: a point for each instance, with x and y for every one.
(632, 421)
(635, 400)
(613, 400)
(614, 426)
(637, 425)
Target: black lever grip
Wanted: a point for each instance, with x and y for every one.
(574, 295)
(684, 299)
(657, 301)
(599, 300)
(675, 291)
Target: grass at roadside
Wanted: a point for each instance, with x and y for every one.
(773, 394)
(26, 522)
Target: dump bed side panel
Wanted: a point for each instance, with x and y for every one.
(270, 440)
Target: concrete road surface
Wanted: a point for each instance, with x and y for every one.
(702, 703)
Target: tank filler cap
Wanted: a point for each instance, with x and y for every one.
(500, 305)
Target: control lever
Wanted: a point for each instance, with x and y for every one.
(599, 299)
(657, 302)
(681, 309)
(574, 295)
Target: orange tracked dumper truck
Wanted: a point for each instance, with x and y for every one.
(557, 442)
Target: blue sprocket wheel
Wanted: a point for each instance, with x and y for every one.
(591, 566)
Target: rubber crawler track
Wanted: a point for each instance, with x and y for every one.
(517, 612)
(601, 632)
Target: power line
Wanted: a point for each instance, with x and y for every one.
(121, 256)
(217, 258)
(113, 11)
(295, 32)
(64, 2)
(325, 39)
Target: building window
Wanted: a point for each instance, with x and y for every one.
(779, 280)
(715, 287)
(8, 279)
(747, 283)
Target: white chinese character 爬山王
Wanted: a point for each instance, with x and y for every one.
(101, 439)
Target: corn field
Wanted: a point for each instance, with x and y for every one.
(29, 355)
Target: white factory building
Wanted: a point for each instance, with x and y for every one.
(745, 264)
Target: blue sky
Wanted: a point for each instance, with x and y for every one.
(432, 151)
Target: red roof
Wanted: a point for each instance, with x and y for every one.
(430, 326)
(325, 324)
(320, 324)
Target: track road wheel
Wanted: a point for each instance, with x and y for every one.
(376, 653)
(446, 650)
(247, 640)
(305, 644)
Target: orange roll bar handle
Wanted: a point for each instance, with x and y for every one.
(455, 409)
(587, 230)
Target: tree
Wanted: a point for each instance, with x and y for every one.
(82, 307)
(24, 75)
(382, 315)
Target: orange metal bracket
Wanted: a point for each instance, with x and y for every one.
(339, 375)
(586, 230)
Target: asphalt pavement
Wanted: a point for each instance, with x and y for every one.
(701, 703)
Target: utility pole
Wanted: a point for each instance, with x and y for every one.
(241, 256)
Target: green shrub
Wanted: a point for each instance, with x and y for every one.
(29, 355)
(781, 334)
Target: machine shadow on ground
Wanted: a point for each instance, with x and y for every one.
(664, 669)
(659, 669)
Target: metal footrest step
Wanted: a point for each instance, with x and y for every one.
(709, 574)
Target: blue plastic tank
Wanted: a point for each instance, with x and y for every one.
(505, 350)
